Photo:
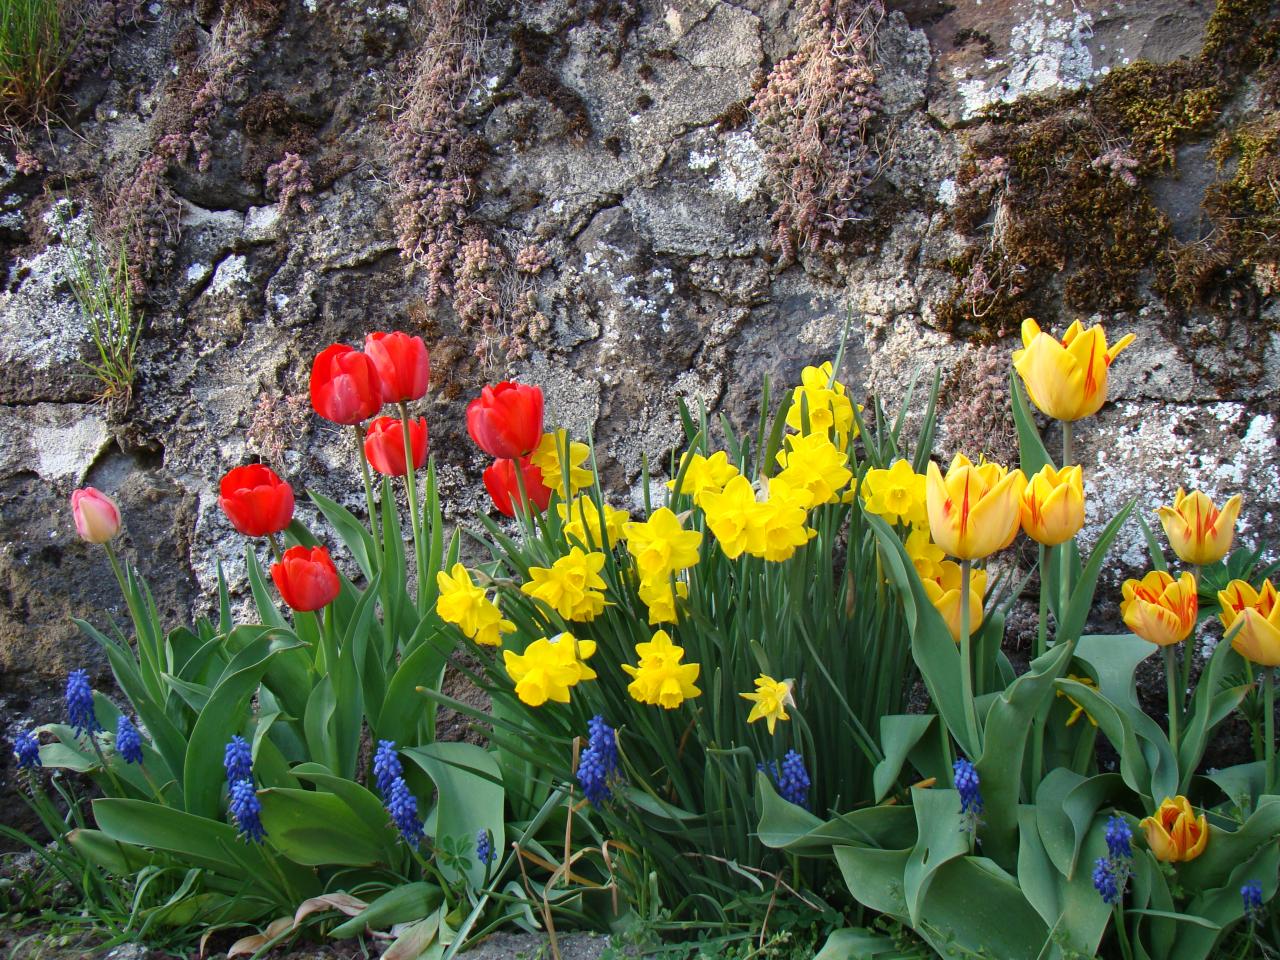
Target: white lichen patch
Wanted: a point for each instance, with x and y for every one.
(60, 442)
(742, 167)
(1047, 51)
(231, 273)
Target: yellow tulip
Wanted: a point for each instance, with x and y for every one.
(1053, 505)
(944, 594)
(1258, 636)
(974, 510)
(1066, 380)
(1174, 832)
(1160, 609)
(1198, 531)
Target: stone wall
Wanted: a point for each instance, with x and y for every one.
(625, 203)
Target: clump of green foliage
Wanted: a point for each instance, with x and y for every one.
(100, 281)
(33, 52)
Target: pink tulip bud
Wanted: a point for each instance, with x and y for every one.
(97, 516)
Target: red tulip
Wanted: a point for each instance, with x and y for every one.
(97, 516)
(344, 385)
(306, 578)
(402, 364)
(384, 445)
(500, 481)
(256, 501)
(506, 421)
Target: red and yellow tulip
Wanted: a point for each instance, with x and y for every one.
(1198, 531)
(1257, 638)
(1174, 832)
(1053, 505)
(1066, 379)
(973, 510)
(1160, 609)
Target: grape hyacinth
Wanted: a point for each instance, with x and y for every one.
(386, 767)
(128, 742)
(791, 779)
(484, 848)
(80, 703)
(247, 810)
(599, 762)
(403, 807)
(1111, 873)
(238, 760)
(965, 777)
(1251, 895)
(26, 750)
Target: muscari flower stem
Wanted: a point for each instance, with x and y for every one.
(966, 661)
(368, 495)
(1171, 681)
(1126, 948)
(415, 514)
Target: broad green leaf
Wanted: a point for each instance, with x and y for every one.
(857, 943)
(470, 799)
(939, 840)
(1227, 848)
(899, 733)
(410, 901)
(317, 829)
(1212, 703)
(1081, 603)
(974, 904)
(354, 535)
(1031, 449)
(403, 712)
(874, 877)
(361, 802)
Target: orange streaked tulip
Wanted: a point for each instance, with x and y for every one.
(1067, 379)
(1053, 505)
(1160, 609)
(1174, 832)
(944, 594)
(1198, 531)
(1257, 638)
(973, 510)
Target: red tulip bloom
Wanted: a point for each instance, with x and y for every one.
(306, 578)
(402, 364)
(506, 421)
(384, 445)
(344, 385)
(256, 501)
(500, 481)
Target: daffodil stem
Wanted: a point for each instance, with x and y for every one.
(1171, 680)
(1269, 725)
(966, 659)
(368, 494)
(415, 518)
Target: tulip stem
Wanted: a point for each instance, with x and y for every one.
(1068, 438)
(275, 547)
(1042, 643)
(1269, 724)
(966, 664)
(415, 518)
(368, 499)
(1188, 649)
(1171, 681)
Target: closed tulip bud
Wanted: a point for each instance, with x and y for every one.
(97, 516)
(1053, 505)
(384, 445)
(344, 385)
(973, 510)
(1257, 635)
(1160, 609)
(1198, 531)
(256, 501)
(500, 481)
(506, 421)
(1067, 380)
(403, 365)
(1174, 832)
(306, 578)
(944, 593)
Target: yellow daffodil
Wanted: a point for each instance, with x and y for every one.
(661, 679)
(1257, 638)
(572, 586)
(582, 517)
(1066, 380)
(784, 522)
(1198, 531)
(1053, 505)
(925, 555)
(465, 605)
(944, 594)
(1078, 710)
(897, 494)
(547, 459)
(703, 475)
(771, 699)
(660, 545)
(826, 403)
(814, 464)
(736, 518)
(549, 667)
(973, 510)
(1160, 609)
(660, 598)
(1174, 832)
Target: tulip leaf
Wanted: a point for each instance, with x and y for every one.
(409, 901)
(899, 733)
(975, 905)
(1212, 702)
(354, 535)
(939, 839)
(857, 943)
(1082, 596)
(1115, 724)
(402, 714)
(1031, 449)
(874, 877)
(1227, 848)
(316, 828)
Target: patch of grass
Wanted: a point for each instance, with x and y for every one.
(33, 52)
